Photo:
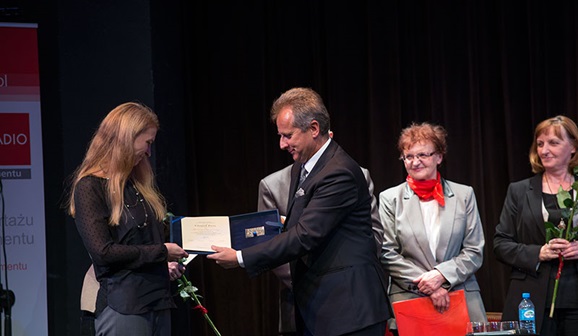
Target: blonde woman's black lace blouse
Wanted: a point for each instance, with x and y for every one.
(130, 259)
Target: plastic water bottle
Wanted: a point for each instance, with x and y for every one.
(526, 315)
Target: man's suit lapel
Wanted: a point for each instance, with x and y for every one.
(296, 170)
(447, 215)
(327, 155)
(415, 221)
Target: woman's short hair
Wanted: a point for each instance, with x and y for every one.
(424, 132)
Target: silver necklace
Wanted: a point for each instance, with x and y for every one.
(141, 200)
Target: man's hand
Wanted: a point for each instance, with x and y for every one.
(224, 256)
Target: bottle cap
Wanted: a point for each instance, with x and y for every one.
(525, 295)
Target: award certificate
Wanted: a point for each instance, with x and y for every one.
(197, 234)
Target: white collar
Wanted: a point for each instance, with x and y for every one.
(313, 160)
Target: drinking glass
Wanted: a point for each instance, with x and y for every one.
(493, 326)
(510, 325)
(475, 327)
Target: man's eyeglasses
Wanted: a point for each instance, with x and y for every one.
(420, 156)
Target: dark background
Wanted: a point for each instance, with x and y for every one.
(487, 70)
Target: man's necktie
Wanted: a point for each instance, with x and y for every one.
(303, 175)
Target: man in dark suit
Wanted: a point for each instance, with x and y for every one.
(274, 194)
(338, 284)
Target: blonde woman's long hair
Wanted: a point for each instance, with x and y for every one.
(111, 152)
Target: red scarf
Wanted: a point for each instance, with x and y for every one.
(427, 190)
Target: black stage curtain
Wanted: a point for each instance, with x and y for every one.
(487, 70)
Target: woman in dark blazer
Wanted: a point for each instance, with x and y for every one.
(520, 238)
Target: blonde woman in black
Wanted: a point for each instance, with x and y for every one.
(118, 211)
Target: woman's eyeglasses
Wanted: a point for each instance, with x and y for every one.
(420, 156)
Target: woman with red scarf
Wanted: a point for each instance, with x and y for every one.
(433, 236)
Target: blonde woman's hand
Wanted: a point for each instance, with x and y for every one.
(176, 270)
(175, 252)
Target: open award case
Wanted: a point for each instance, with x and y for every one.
(197, 234)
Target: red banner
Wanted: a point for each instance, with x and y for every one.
(19, 78)
(14, 139)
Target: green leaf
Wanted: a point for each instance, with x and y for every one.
(549, 235)
(167, 218)
(565, 213)
(551, 226)
(575, 184)
(564, 199)
(551, 231)
(573, 233)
